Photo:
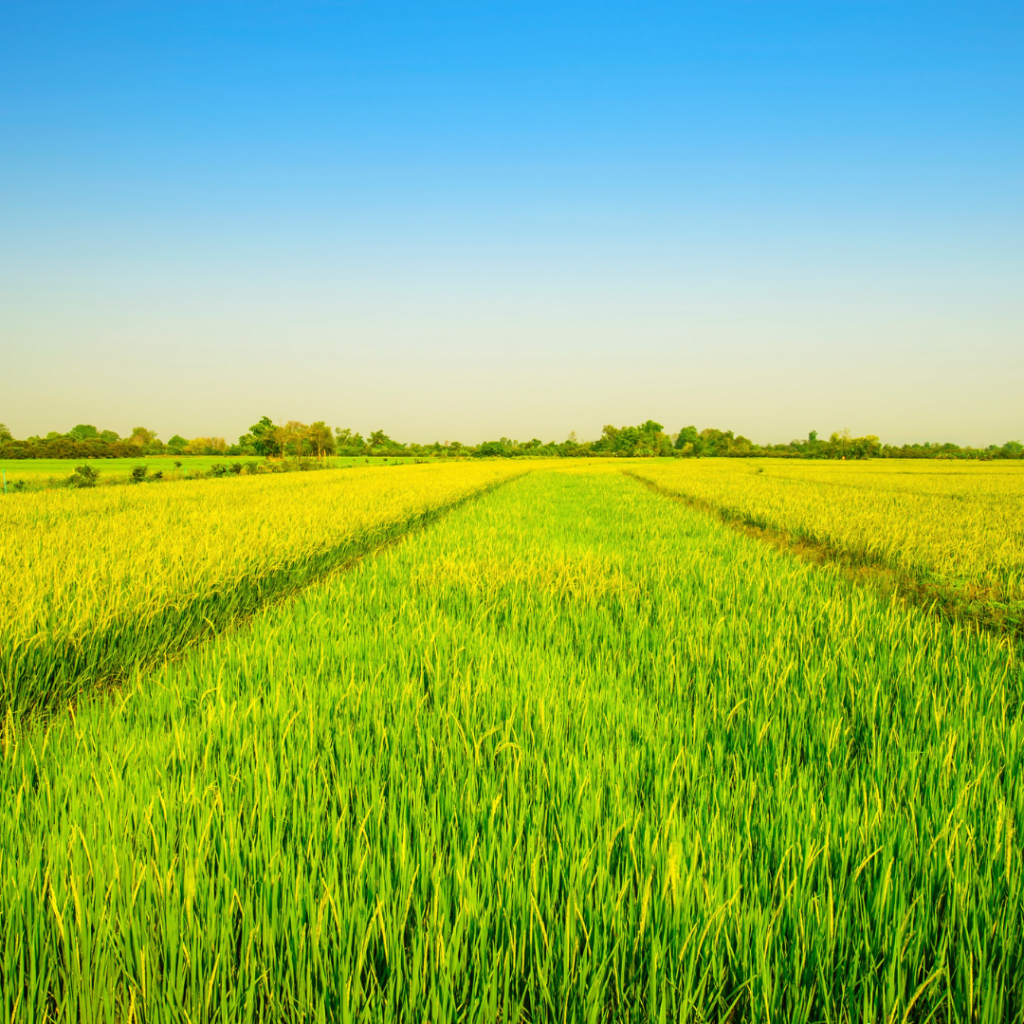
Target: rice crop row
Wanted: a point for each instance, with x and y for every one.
(574, 753)
(956, 529)
(96, 581)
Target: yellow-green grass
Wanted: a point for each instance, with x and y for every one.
(955, 528)
(95, 581)
(573, 753)
(33, 469)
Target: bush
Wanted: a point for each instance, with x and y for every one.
(83, 476)
(138, 474)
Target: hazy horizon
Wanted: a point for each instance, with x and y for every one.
(514, 219)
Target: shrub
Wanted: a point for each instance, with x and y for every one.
(83, 476)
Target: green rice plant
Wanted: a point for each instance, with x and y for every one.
(573, 753)
(96, 582)
(953, 529)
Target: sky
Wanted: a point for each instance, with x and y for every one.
(462, 221)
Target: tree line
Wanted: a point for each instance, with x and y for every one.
(295, 439)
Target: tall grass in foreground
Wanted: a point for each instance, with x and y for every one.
(953, 527)
(95, 582)
(574, 754)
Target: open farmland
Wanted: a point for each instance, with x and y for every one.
(954, 531)
(172, 467)
(96, 582)
(573, 752)
(30, 469)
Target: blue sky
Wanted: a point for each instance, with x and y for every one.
(521, 219)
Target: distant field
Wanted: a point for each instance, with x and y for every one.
(15, 468)
(35, 468)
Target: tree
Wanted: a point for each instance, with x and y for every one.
(321, 438)
(378, 439)
(141, 437)
(5, 434)
(110, 436)
(688, 436)
(491, 448)
(716, 442)
(177, 444)
(646, 440)
(83, 432)
(206, 446)
(265, 441)
(291, 436)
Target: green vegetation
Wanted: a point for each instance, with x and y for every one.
(168, 465)
(297, 440)
(950, 531)
(99, 581)
(576, 752)
(44, 474)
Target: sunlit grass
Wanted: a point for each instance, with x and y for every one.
(95, 581)
(575, 752)
(957, 527)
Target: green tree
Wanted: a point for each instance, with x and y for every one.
(5, 434)
(83, 432)
(646, 440)
(688, 436)
(265, 441)
(321, 438)
(716, 442)
(110, 436)
(142, 437)
(292, 437)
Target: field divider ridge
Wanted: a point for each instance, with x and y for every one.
(862, 567)
(38, 677)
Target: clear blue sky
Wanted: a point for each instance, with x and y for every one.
(514, 218)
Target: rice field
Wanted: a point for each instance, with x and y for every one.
(955, 529)
(33, 469)
(97, 581)
(571, 751)
(171, 467)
